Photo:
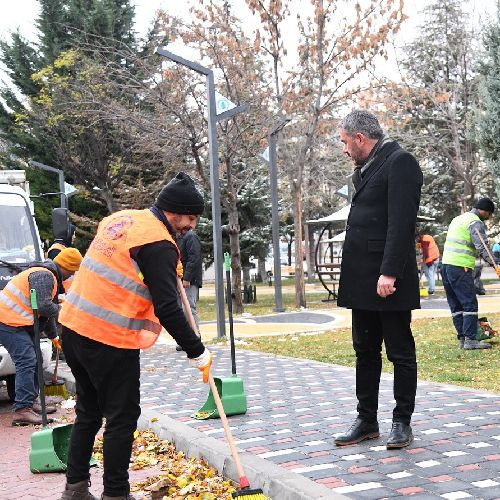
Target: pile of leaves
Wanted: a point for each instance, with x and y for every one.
(181, 477)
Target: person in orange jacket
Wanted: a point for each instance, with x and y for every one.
(124, 292)
(16, 326)
(430, 263)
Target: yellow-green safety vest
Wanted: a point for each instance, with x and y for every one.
(459, 250)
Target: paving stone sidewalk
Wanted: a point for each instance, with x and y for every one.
(295, 407)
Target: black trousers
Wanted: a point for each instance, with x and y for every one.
(107, 385)
(369, 329)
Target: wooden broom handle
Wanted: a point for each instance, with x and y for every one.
(213, 387)
(487, 248)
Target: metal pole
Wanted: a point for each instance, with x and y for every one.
(273, 170)
(60, 174)
(216, 210)
(64, 203)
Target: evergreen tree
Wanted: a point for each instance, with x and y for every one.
(62, 24)
(489, 117)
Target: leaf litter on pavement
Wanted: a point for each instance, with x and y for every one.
(180, 478)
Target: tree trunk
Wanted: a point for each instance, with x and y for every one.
(300, 297)
(261, 270)
(109, 200)
(247, 281)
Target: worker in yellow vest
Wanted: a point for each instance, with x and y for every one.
(16, 326)
(124, 292)
(462, 246)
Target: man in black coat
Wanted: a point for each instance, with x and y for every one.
(379, 278)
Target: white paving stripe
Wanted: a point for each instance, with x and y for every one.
(356, 487)
(487, 483)
(301, 470)
(278, 453)
(456, 453)
(249, 440)
(358, 456)
(479, 445)
(399, 475)
(428, 463)
(456, 495)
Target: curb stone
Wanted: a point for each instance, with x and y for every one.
(276, 482)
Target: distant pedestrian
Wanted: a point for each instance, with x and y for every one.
(496, 250)
(462, 246)
(378, 277)
(192, 263)
(430, 262)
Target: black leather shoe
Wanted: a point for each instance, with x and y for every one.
(359, 431)
(400, 436)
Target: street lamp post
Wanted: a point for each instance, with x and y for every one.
(273, 174)
(60, 174)
(214, 176)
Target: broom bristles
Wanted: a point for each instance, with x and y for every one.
(56, 390)
(256, 494)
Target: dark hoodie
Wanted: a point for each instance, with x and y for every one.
(48, 308)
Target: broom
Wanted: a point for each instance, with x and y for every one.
(56, 387)
(245, 492)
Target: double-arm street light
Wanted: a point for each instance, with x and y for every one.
(213, 118)
(60, 173)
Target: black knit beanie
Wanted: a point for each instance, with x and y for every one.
(485, 204)
(180, 196)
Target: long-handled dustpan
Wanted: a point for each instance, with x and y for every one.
(230, 389)
(49, 447)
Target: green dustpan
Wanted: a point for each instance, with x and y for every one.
(230, 389)
(49, 447)
(232, 395)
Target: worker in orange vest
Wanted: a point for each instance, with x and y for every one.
(124, 292)
(430, 252)
(16, 326)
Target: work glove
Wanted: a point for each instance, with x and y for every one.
(203, 363)
(56, 343)
(497, 269)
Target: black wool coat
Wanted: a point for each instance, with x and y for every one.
(192, 262)
(380, 234)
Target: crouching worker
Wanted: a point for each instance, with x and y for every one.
(124, 292)
(16, 326)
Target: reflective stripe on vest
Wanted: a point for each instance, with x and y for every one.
(458, 248)
(108, 300)
(15, 303)
(111, 317)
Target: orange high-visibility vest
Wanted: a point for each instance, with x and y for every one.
(108, 300)
(433, 250)
(15, 303)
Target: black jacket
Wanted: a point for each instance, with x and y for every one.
(190, 248)
(380, 234)
(158, 263)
